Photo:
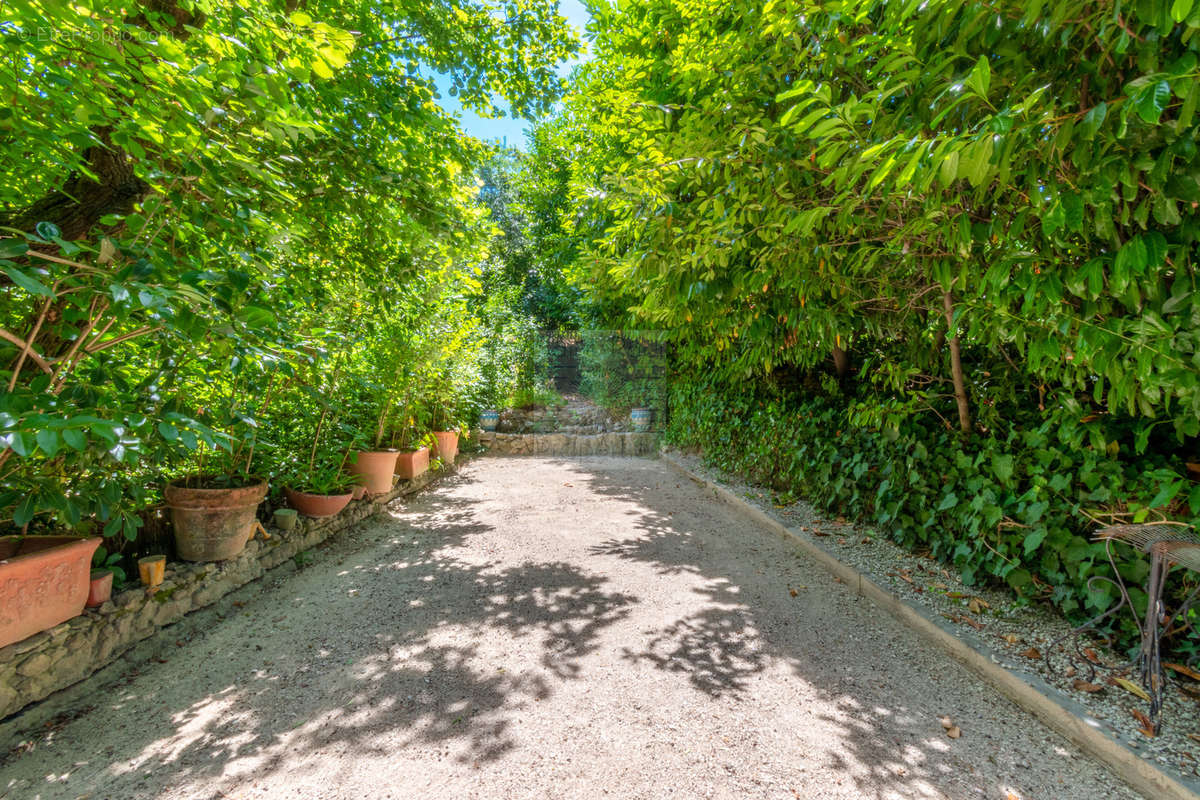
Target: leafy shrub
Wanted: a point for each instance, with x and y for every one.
(1015, 507)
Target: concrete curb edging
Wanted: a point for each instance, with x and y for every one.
(1028, 691)
(34, 668)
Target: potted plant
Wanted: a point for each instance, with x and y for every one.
(489, 420)
(106, 574)
(375, 468)
(213, 509)
(413, 450)
(642, 417)
(320, 489)
(443, 411)
(213, 515)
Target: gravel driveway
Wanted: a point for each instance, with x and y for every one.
(540, 628)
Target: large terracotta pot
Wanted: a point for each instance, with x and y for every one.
(376, 468)
(44, 581)
(447, 445)
(213, 524)
(411, 464)
(317, 505)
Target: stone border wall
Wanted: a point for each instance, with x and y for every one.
(46, 662)
(566, 444)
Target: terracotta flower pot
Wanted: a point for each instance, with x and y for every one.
(447, 446)
(213, 524)
(411, 464)
(376, 468)
(99, 588)
(43, 582)
(152, 569)
(317, 505)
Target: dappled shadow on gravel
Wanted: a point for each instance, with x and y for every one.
(603, 619)
(355, 663)
(885, 709)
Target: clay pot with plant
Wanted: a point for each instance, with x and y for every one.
(214, 509)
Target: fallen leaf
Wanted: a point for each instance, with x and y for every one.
(1194, 737)
(865, 540)
(976, 625)
(841, 540)
(947, 723)
(816, 532)
(1011, 638)
(955, 595)
(1132, 688)
(954, 732)
(1083, 686)
(941, 586)
(1033, 653)
(1147, 726)
(1091, 655)
(1070, 672)
(793, 593)
(1182, 670)
(973, 606)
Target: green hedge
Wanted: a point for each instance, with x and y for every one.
(1016, 506)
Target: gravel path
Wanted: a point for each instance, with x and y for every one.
(537, 628)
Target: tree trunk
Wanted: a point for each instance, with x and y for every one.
(841, 361)
(956, 370)
(77, 207)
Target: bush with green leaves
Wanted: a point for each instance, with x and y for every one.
(230, 233)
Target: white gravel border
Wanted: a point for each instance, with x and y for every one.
(1029, 691)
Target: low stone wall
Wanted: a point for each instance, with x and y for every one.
(565, 444)
(52, 660)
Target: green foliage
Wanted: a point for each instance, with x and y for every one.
(239, 238)
(622, 371)
(873, 217)
(534, 397)
(1015, 507)
(776, 181)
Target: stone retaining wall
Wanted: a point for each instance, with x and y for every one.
(563, 444)
(52, 660)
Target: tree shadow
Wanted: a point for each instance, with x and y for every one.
(886, 704)
(405, 665)
(419, 659)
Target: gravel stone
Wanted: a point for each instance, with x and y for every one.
(543, 628)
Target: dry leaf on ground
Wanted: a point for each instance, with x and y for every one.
(1083, 686)
(1132, 688)
(1033, 653)
(1182, 670)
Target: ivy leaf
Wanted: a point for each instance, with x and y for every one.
(1002, 465)
(948, 502)
(1034, 539)
(1131, 258)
